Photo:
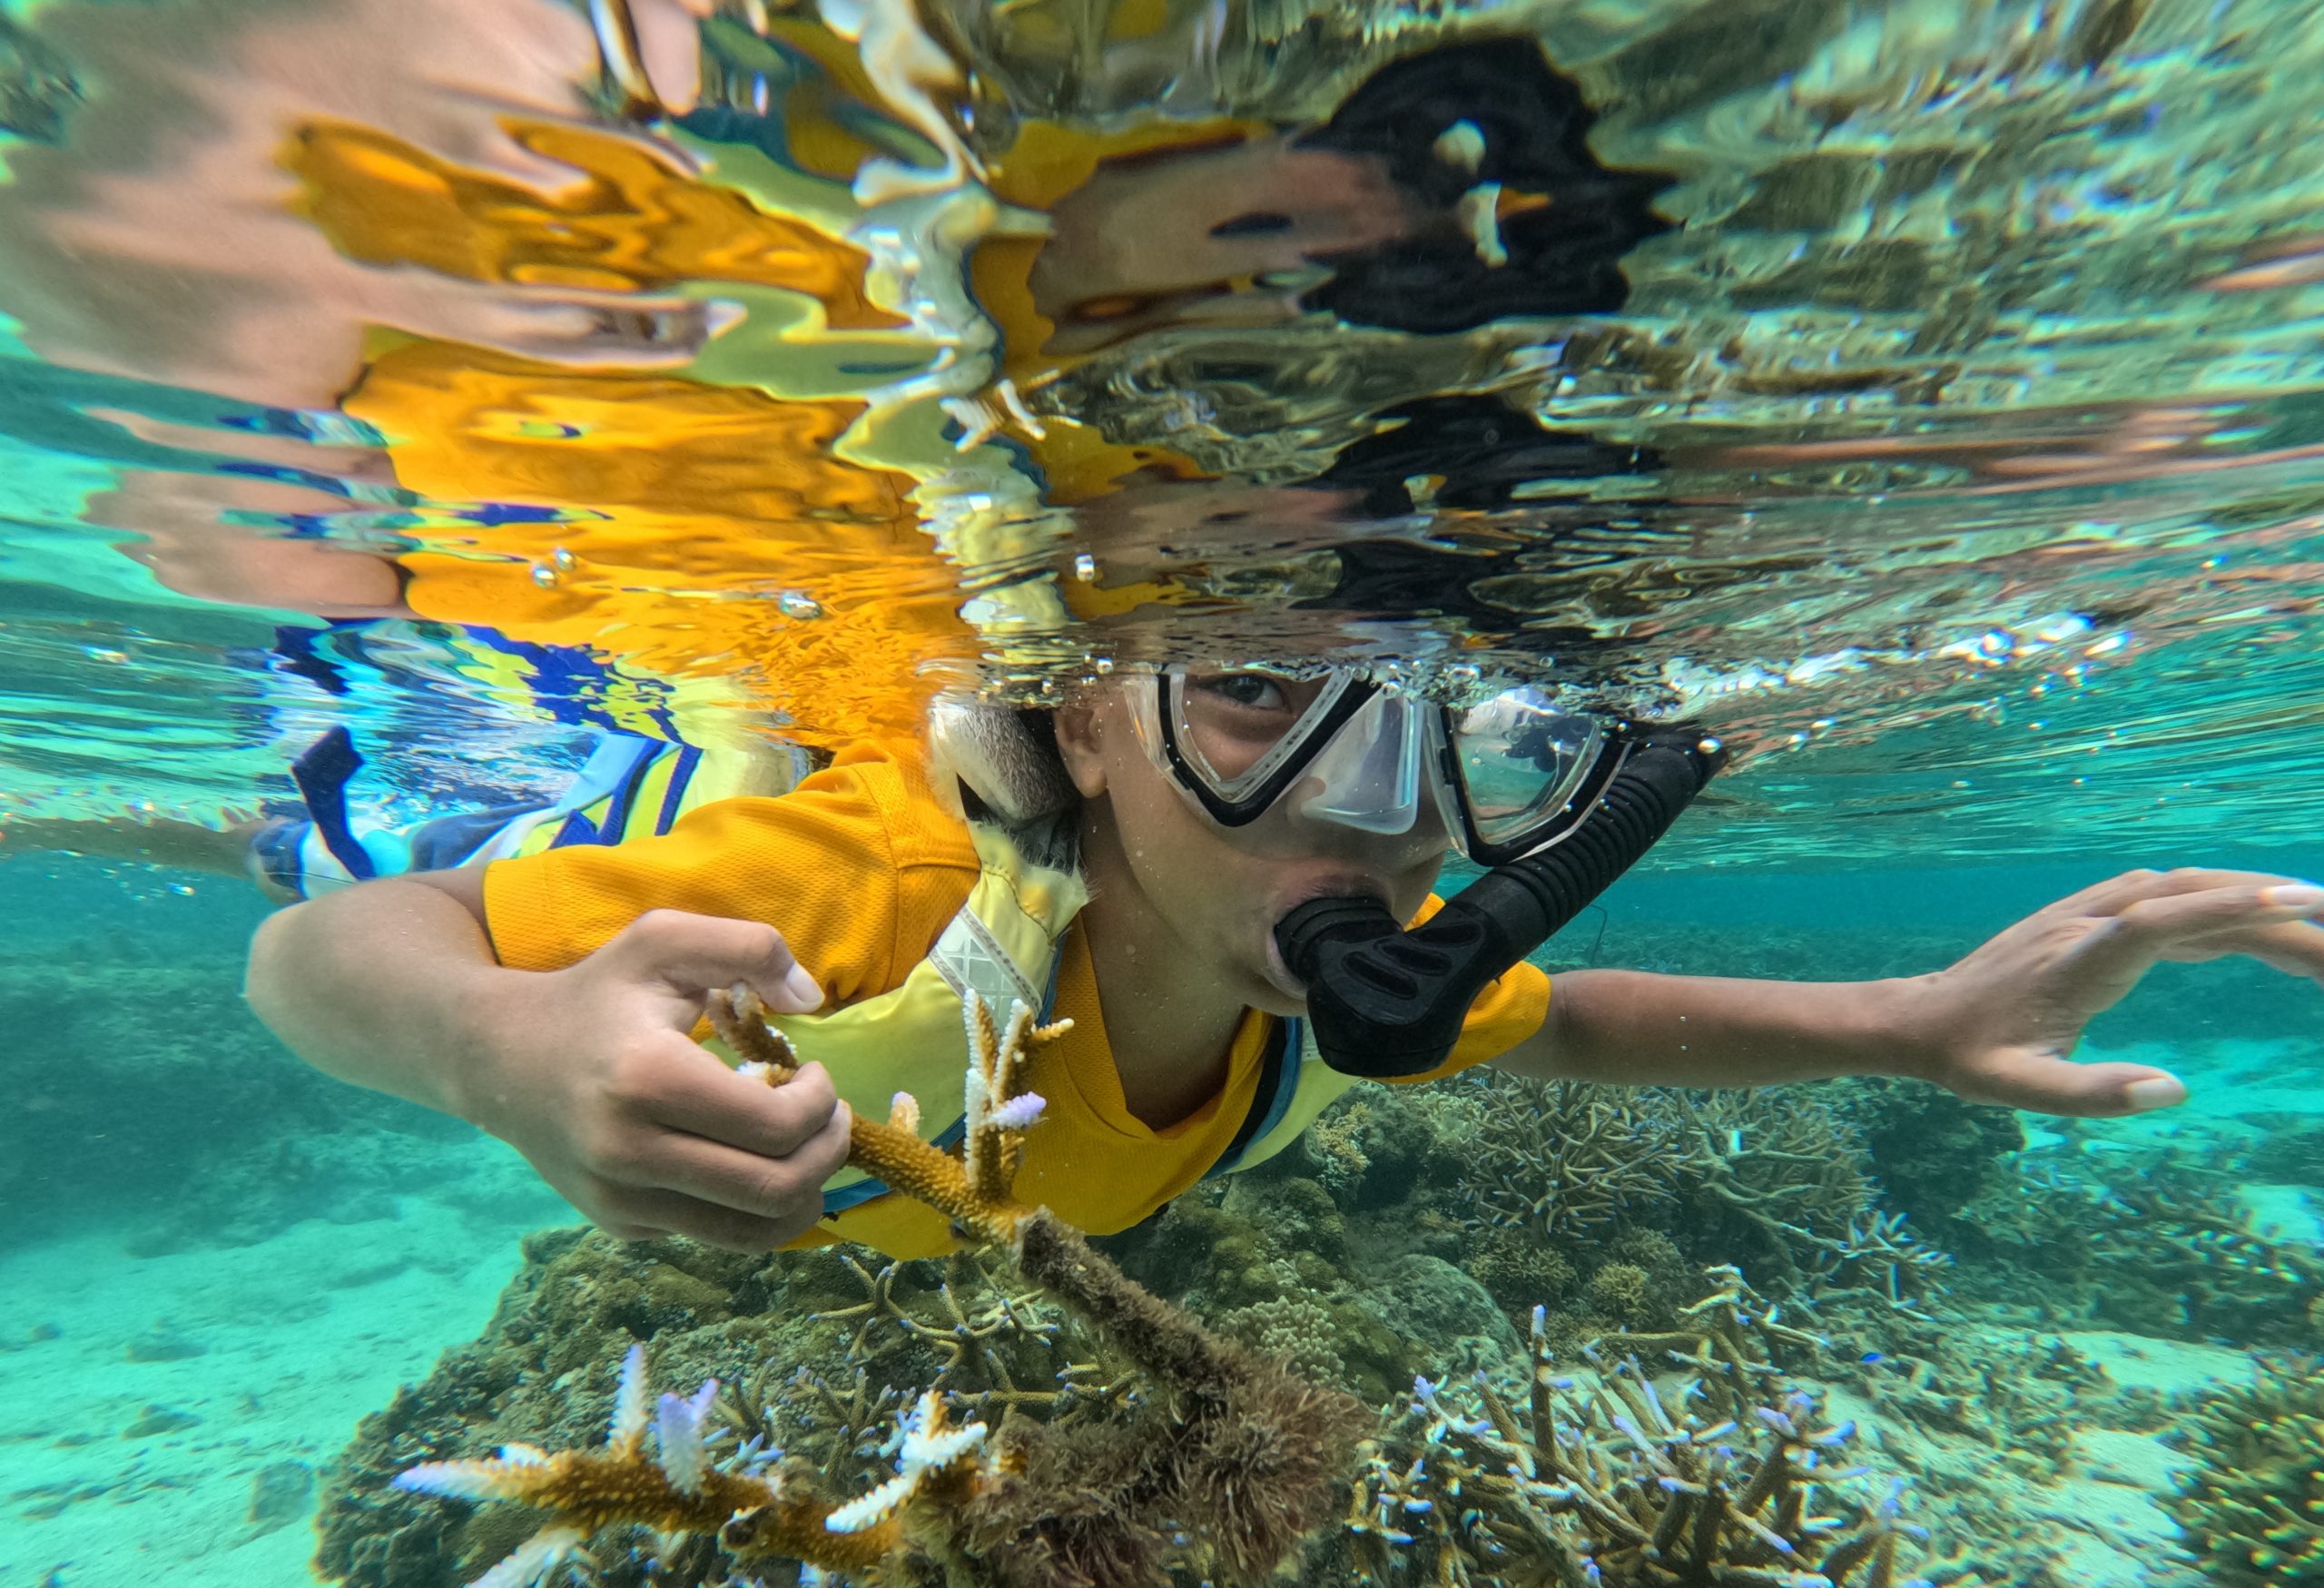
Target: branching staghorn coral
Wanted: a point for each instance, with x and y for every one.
(1561, 1160)
(1780, 1163)
(1734, 1339)
(2252, 1509)
(1561, 1157)
(1603, 1480)
(976, 1347)
(1222, 1466)
(2150, 1242)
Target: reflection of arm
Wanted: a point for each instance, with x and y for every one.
(221, 852)
(191, 551)
(298, 576)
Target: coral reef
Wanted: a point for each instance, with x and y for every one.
(2252, 1508)
(1931, 1152)
(1558, 1158)
(1217, 1435)
(1775, 1179)
(1389, 1245)
(1271, 1259)
(231, 1140)
(2148, 1240)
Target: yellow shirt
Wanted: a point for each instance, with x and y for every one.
(861, 868)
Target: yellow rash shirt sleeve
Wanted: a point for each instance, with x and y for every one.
(858, 867)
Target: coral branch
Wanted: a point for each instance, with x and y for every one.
(677, 1492)
(1614, 1483)
(973, 1189)
(1235, 1447)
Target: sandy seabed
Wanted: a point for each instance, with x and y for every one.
(167, 1419)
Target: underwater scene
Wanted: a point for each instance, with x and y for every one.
(1093, 792)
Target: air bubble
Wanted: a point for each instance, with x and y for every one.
(800, 605)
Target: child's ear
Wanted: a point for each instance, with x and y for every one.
(1078, 730)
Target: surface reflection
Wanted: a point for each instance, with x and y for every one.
(772, 368)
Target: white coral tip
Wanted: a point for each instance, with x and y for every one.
(924, 1452)
(531, 1562)
(871, 1509)
(629, 1402)
(1019, 1112)
(677, 1428)
(920, 1449)
(904, 1112)
(458, 1480)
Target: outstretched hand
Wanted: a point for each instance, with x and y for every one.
(2001, 1023)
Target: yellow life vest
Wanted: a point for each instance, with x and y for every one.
(1003, 946)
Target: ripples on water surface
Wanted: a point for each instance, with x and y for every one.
(1926, 394)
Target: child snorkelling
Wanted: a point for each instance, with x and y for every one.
(1125, 861)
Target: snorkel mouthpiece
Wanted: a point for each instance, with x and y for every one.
(1383, 1002)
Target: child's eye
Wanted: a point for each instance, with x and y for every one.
(1251, 691)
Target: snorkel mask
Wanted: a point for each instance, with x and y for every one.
(1556, 802)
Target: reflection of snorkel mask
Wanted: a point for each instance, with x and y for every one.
(1556, 803)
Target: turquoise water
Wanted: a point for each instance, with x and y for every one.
(1920, 397)
(218, 1262)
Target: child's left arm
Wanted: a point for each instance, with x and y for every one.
(1997, 1028)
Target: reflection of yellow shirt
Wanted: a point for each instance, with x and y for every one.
(662, 520)
(686, 516)
(859, 868)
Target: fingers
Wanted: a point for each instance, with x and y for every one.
(688, 953)
(700, 1151)
(637, 1213)
(2177, 924)
(2116, 894)
(2293, 947)
(741, 1112)
(2043, 1083)
(712, 1193)
(787, 1190)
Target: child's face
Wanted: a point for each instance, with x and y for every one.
(1214, 895)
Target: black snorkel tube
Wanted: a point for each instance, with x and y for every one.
(1383, 1002)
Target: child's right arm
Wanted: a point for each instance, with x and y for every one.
(590, 1071)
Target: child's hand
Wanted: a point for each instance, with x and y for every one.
(2003, 1020)
(593, 1075)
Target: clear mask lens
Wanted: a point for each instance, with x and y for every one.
(1520, 760)
(1239, 729)
(1369, 777)
(1331, 750)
